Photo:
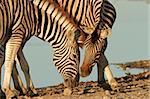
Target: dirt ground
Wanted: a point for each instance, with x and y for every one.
(131, 87)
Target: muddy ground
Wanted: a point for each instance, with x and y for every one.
(131, 87)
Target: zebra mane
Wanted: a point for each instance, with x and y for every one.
(43, 4)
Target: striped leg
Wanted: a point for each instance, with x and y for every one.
(112, 82)
(25, 68)
(102, 62)
(16, 77)
(12, 48)
(103, 66)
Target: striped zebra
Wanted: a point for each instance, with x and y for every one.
(93, 47)
(22, 19)
(96, 18)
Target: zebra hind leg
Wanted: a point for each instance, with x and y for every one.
(25, 68)
(17, 81)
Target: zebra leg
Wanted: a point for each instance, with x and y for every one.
(25, 68)
(104, 67)
(100, 69)
(12, 48)
(69, 84)
(17, 80)
(2, 50)
(112, 82)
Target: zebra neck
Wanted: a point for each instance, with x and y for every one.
(52, 21)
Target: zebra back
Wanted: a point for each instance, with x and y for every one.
(86, 13)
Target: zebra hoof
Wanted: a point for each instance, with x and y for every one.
(32, 92)
(22, 90)
(114, 84)
(67, 92)
(11, 93)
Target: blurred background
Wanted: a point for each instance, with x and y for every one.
(130, 41)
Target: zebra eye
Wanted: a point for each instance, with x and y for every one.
(66, 80)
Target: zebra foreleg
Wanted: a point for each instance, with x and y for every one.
(100, 71)
(103, 67)
(112, 82)
(69, 83)
(16, 78)
(25, 68)
(101, 64)
(12, 48)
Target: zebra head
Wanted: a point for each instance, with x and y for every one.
(94, 45)
(67, 56)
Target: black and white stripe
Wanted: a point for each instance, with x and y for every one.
(86, 13)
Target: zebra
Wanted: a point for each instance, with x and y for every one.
(95, 3)
(47, 21)
(92, 46)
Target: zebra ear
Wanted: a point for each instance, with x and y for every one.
(105, 33)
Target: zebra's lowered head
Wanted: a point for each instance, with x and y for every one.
(94, 45)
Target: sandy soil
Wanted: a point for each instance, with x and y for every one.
(131, 87)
